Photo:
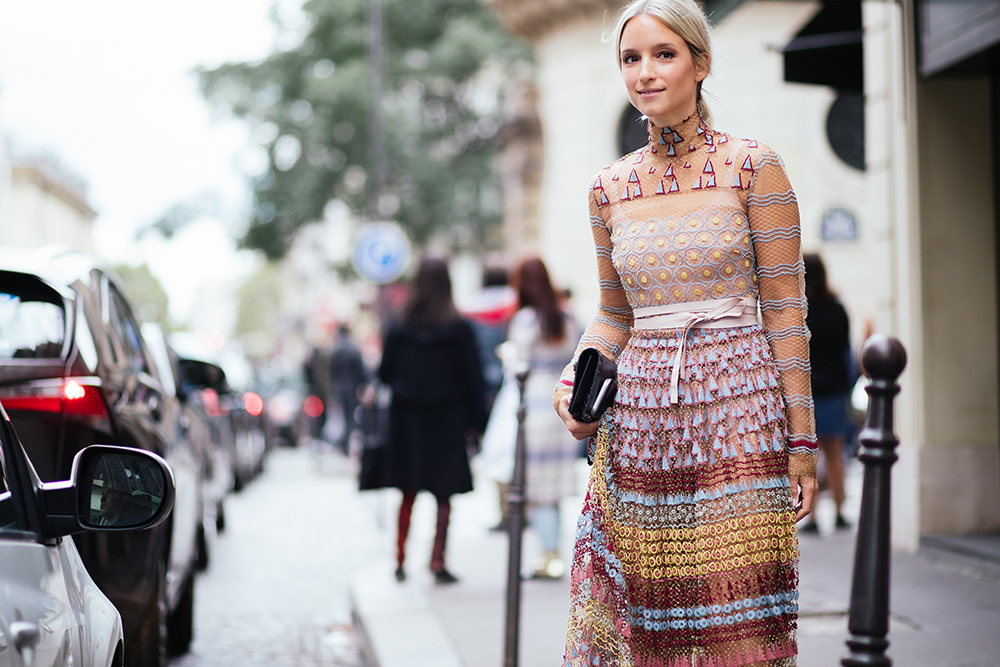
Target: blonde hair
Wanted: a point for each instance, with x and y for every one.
(683, 17)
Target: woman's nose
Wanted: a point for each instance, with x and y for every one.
(645, 70)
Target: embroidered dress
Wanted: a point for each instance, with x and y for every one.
(686, 552)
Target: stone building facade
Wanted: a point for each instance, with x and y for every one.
(906, 227)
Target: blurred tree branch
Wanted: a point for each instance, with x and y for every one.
(180, 215)
(446, 61)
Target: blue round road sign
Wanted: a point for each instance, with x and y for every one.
(381, 252)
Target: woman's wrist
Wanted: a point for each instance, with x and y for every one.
(563, 388)
(802, 464)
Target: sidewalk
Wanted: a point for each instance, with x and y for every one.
(945, 599)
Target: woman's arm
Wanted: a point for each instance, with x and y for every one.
(475, 394)
(523, 333)
(774, 226)
(610, 328)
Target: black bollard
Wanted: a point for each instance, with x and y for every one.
(515, 503)
(883, 359)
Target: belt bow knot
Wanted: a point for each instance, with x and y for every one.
(734, 311)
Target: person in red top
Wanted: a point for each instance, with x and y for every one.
(489, 312)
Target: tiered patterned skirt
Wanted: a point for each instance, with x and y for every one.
(686, 552)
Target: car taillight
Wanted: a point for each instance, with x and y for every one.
(38, 397)
(313, 406)
(210, 399)
(253, 403)
(82, 399)
(74, 396)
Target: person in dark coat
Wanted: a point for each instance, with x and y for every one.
(317, 372)
(348, 376)
(431, 363)
(829, 353)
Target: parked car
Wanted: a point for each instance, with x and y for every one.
(230, 400)
(75, 371)
(187, 420)
(286, 423)
(51, 611)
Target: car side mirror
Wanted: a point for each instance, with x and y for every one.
(196, 374)
(111, 489)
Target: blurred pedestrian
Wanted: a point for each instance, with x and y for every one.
(489, 311)
(686, 551)
(431, 364)
(829, 355)
(545, 336)
(348, 376)
(317, 372)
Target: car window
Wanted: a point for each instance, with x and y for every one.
(30, 327)
(128, 333)
(84, 339)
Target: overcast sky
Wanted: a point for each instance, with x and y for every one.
(107, 87)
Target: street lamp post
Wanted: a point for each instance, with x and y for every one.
(515, 502)
(883, 359)
(376, 83)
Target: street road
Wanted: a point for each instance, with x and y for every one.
(276, 591)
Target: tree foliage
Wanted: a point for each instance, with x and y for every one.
(311, 106)
(259, 302)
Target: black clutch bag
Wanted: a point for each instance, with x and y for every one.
(594, 386)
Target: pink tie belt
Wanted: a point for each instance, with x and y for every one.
(736, 311)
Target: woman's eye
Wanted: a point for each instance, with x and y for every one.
(666, 54)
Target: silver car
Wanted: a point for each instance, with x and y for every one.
(51, 611)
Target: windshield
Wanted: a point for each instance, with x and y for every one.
(32, 326)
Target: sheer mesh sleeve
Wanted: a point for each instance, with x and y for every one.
(774, 227)
(610, 328)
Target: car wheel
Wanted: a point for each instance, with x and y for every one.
(202, 541)
(180, 624)
(150, 647)
(220, 518)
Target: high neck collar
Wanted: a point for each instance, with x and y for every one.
(688, 135)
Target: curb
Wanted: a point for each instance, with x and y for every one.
(395, 624)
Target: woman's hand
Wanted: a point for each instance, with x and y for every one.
(366, 395)
(579, 430)
(804, 491)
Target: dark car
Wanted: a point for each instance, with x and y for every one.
(51, 611)
(287, 407)
(229, 399)
(75, 371)
(189, 421)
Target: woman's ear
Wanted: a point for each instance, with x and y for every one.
(701, 67)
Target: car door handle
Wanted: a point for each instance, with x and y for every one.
(26, 637)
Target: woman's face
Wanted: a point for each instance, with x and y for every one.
(660, 74)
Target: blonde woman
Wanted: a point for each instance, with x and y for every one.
(686, 551)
